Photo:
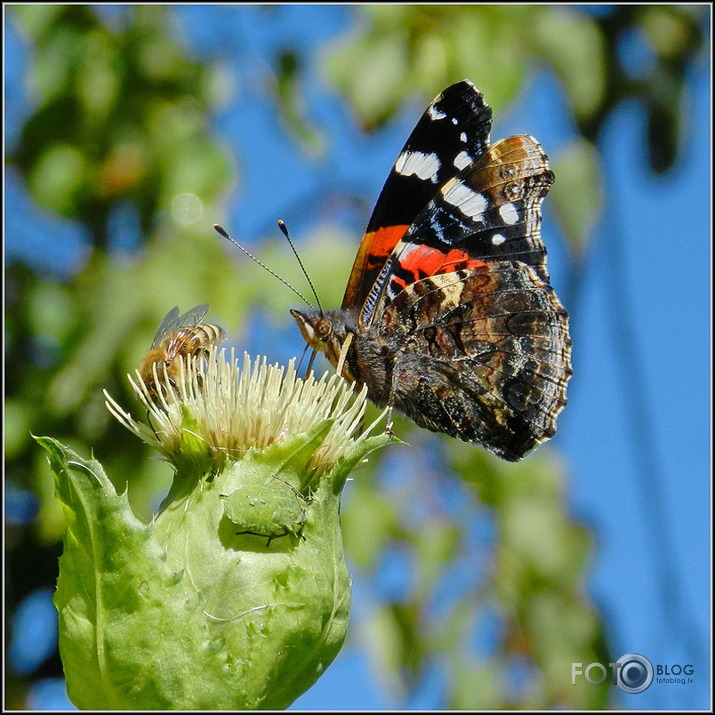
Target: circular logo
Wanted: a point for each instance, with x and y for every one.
(635, 673)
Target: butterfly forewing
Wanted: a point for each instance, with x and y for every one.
(452, 133)
(491, 210)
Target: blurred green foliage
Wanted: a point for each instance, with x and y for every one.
(121, 116)
(401, 49)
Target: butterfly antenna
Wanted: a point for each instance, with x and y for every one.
(284, 229)
(221, 231)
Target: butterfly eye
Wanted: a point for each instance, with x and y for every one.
(323, 330)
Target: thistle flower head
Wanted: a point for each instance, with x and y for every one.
(215, 409)
(235, 596)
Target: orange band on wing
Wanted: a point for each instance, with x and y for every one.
(374, 250)
(424, 261)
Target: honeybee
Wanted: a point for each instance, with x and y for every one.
(183, 335)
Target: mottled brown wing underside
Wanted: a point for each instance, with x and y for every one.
(484, 356)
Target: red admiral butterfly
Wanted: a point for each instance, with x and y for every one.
(448, 313)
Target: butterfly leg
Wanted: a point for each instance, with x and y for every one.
(391, 398)
(388, 425)
(310, 362)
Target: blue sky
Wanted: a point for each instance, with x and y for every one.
(636, 433)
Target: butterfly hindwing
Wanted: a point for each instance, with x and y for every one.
(483, 355)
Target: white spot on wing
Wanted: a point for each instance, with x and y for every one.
(425, 166)
(509, 213)
(498, 239)
(435, 113)
(469, 202)
(462, 159)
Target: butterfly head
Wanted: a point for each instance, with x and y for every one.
(325, 333)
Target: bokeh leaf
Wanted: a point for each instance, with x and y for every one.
(576, 197)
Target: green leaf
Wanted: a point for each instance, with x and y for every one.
(576, 197)
(436, 545)
(107, 576)
(572, 43)
(376, 90)
(478, 685)
(58, 177)
(292, 106)
(358, 454)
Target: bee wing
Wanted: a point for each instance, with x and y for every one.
(165, 326)
(173, 321)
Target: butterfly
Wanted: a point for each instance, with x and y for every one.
(448, 314)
